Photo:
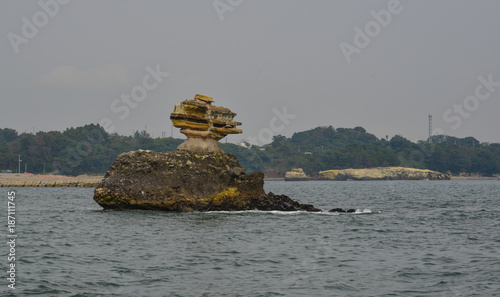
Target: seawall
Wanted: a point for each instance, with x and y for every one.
(30, 180)
(59, 183)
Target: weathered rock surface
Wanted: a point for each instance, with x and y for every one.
(204, 124)
(186, 181)
(328, 174)
(198, 176)
(297, 174)
(383, 173)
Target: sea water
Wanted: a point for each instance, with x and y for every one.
(407, 238)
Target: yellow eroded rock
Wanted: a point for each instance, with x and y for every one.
(204, 98)
(204, 124)
(296, 174)
(328, 174)
(383, 173)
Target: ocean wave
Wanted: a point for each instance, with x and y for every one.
(299, 212)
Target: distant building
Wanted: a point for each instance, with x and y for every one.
(245, 144)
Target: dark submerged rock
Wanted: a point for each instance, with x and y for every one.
(337, 210)
(186, 181)
(342, 210)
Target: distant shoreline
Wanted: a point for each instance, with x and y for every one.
(85, 181)
(274, 178)
(475, 178)
(451, 177)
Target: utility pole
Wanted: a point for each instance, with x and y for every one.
(19, 164)
(430, 128)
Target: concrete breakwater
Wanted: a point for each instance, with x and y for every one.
(29, 180)
(58, 183)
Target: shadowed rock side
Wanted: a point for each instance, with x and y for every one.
(186, 181)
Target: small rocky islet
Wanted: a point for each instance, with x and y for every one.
(383, 173)
(197, 176)
(366, 174)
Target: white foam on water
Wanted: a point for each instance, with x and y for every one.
(280, 212)
(366, 210)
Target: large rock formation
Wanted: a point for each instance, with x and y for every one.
(198, 176)
(382, 173)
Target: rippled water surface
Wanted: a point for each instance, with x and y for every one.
(414, 238)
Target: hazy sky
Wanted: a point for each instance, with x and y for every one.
(383, 65)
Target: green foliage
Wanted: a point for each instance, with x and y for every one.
(87, 149)
(250, 159)
(90, 149)
(325, 148)
(7, 135)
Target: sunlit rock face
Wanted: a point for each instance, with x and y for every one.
(204, 124)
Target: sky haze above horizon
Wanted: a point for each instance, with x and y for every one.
(282, 66)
